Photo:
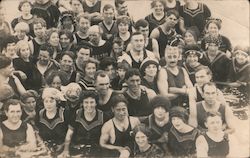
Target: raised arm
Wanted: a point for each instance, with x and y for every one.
(201, 147)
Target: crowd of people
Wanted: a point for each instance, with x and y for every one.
(82, 79)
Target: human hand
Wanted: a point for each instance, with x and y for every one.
(124, 153)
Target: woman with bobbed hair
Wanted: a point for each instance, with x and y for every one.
(66, 40)
(190, 37)
(144, 148)
(57, 79)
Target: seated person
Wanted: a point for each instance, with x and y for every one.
(14, 133)
(115, 135)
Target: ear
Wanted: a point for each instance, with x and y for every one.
(205, 124)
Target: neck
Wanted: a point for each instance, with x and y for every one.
(136, 52)
(149, 78)
(88, 78)
(51, 112)
(26, 59)
(107, 22)
(3, 78)
(135, 94)
(26, 15)
(82, 34)
(144, 148)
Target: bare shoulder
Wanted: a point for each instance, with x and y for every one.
(134, 121)
(107, 126)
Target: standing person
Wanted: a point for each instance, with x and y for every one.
(108, 24)
(157, 17)
(24, 7)
(16, 134)
(146, 149)
(39, 26)
(137, 53)
(172, 4)
(215, 142)
(182, 136)
(85, 131)
(93, 9)
(165, 31)
(4, 26)
(138, 97)
(194, 14)
(82, 25)
(115, 135)
(47, 10)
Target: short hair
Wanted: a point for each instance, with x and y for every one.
(118, 41)
(123, 65)
(207, 69)
(93, 27)
(39, 21)
(47, 47)
(142, 128)
(118, 98)
(123, 19)
(11, 102)
(61, 74)
(209, 84)
(90, 94)
(119, 2)
(136, 33)
(69, 14)
(82, 15)
(68, 53)
(4, 61)
(179, 112)
(49, 32)
(20, 44)
(141, 23)
(67, 33)
(153, 3)
(9, 39)
(107, 7)
(100, 73)
(193, 32)
(215, 21)
(160, 101)
(70, 2)
(22, 2)
(132, 72)
(173, 12)
(90, 60)
(107, 61)
(80, 46)
(22, 26)
(28, 94)
(212, 114)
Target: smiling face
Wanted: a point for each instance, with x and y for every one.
(141, 139)
(14, 113)
(49, 104)
(89, 104)
(213, 29)
(39, 30)
(138, 42)
(123, 28)
(192, 59)
(90, 70)
(64, 40)
(26, 8)
(241, 57)
(134, 83)
(158, 8)
(54, 39)
(172, 56)
(189, 38)
(102, 84)
(25, 51)
(120, 111)
(56, 83)
(83, 25)
(214, 124)
(108, 15)
(202, 77)
(151, 70)
(30, 103)
(66, 63)
(83, 54)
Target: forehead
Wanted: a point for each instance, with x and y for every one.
(172, 51)
(123, 4)
(210, 88)
(101, 79)
(213, 118)
(66, 57)
(44, 52)
(137, 37)
(143, 28)
(38, 25)
(211, 24)
(139, 134)
(83, 50)
(120, 105)
(14, 107)
(134, 77)
(108, 10)
(89, 99)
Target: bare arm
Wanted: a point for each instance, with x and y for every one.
(230, 119)
(192, 108)
(188, 82)
(20, 88)
(67, 141)
(31, 139)
(31, 45)
(201, 146)
(182, 25)
(155, 48)
(155, 33)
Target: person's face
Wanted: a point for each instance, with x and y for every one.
(117, 49)
(43, 57)
(189, 38)
(213, 29)
(172, 56)
(192, 59)
(14, 113)
(66, 63)
(26, 8)
(64, 41)
(210, 94)
(171, 20)
(110, 70)
(121, 73)
(94, 37)
(108, 15)
(214, 124)
(67, 22)
(76, 6)
(20, 34)
(212, 49)
(122, 9)
(83, 54)
(138, 42)
(241, 57)
(141, 139)
(123, 28)
(151, 70)
(7, 71)
(160, 113)
(49, 104)
(202, 77)
(39, 30)
(158, 8)
(30, 103)
(89, 104)
(54, 39)
(177, 123)
(120, 111)
(25, 51)
(84, 25)
(144, 31)
(102, 85)
(90, 70)
(11, 50)
(56, 82)
(133, 83)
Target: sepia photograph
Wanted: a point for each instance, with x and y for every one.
(124, 78)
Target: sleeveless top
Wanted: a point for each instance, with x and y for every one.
(36, 50)
(149, 45)
(199, 97)
(92, 9)
(106, 108)
(201, 114)
(176, 80)
(139, 107)
(122, 138)
(13, 85)
(79, 40)
(136, 64)
(12, 138)
(217, 149)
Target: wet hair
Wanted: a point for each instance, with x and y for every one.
(107, 7)
(90, 94)
(67, 33)
(153, 3)
(4, 61)
(28, 94)
(118, 98)
(90, 60)
(172, 12)
(61, 74)
(179, 112)
(160, 101)
(142, 128)
(100, 73)
(131, 72)
(141, 23)
(107, 61)
(80, 46)
(39, 21)
(11, 102)
(123, 19)
(22, 2)
(47, 47)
